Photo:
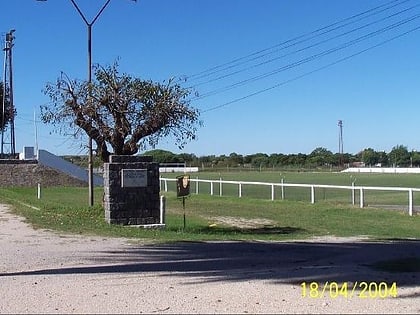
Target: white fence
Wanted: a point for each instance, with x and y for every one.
(385, 170)
(311, 188)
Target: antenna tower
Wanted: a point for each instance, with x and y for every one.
(340, 142)
(8, 109)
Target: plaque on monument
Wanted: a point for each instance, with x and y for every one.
(133, 178)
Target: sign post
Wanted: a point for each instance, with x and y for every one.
(183, 190)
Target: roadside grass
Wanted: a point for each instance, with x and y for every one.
(64, 209)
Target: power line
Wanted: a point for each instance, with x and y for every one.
(311, 58)
(229, 64)
(311, 72)
(304, 48)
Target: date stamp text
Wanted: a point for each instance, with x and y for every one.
(362, 290)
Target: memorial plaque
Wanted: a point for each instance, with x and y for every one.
(133, 178)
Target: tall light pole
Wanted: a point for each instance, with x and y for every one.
(89, 26)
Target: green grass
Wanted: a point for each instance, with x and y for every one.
(65, 209)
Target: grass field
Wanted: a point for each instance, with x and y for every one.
(228, 217)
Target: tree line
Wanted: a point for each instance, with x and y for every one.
(320, 157)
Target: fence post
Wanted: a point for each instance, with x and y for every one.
(211, 188)
(353, 195)
(220, 188)
(312, 194)
(362, 197)
(410, 202)
(166, 184)
(162, 209)
(282, 189)
(240, 190)
(39, 191)
(272, 192)
(196, 186)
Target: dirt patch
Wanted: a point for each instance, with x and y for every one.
(242, 223)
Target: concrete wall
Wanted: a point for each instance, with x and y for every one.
(387, 170)
(178, 169)
(48, 159)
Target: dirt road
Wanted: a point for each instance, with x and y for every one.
(43, 272)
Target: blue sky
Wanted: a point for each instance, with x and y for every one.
(299, 92)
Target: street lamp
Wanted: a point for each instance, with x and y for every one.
(89, 44)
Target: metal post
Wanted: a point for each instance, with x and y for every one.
(410, 201)
(90, 153)
(196, 186)
(89, 31)
(312, 194)
(89, 39)
(162, 209)
(183, 207)
(282, 189)
(89, 44)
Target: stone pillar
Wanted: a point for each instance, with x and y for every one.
(131, 190)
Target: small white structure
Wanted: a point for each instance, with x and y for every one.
(27, 153)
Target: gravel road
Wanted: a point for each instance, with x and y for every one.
(45, 272)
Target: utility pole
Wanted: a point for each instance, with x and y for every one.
(89, 26)
(8, 106)
(89, 45)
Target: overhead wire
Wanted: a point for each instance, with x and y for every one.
(311, 58)
(311, 72)
(304, 48)
(242, 60)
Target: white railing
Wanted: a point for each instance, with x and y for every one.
(282, 185)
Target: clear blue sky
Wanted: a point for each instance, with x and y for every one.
(300, 91)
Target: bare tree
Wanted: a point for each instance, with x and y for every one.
(122, 114)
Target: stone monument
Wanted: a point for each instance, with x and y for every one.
(131, 190)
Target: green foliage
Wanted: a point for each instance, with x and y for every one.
(399, 156)
(370, 157)
(162, 156)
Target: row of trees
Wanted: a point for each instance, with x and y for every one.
(399, 156)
